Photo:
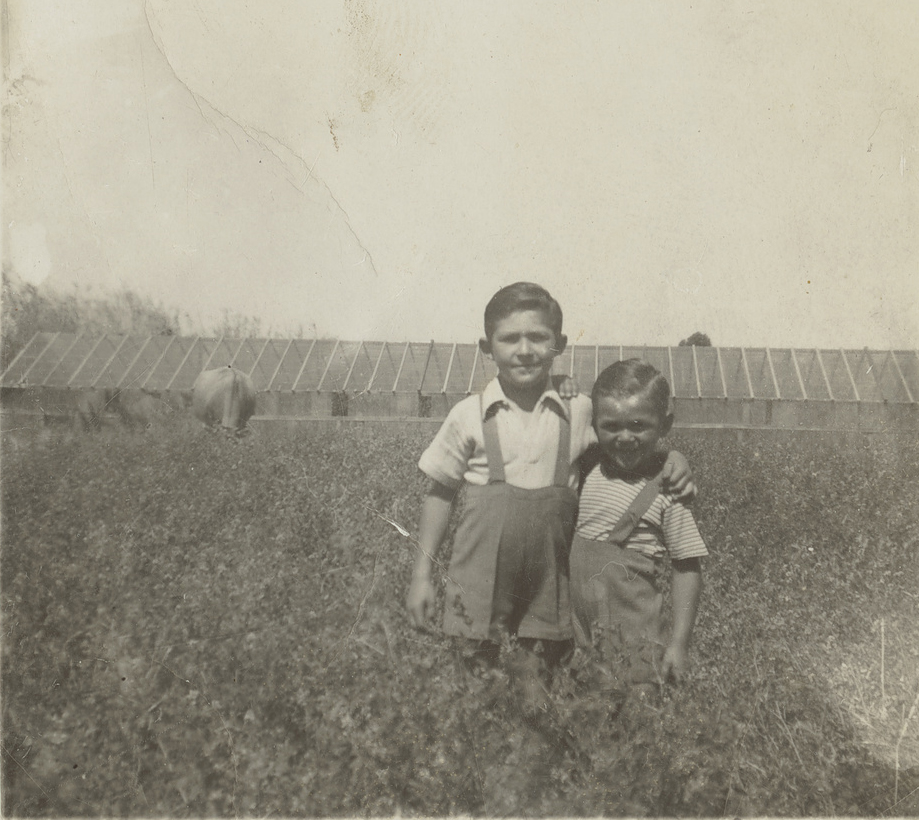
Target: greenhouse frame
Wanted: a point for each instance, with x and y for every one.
(735, 387)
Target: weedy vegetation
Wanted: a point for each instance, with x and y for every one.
(198, 627)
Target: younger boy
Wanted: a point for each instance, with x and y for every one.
(515, 447)
(626, 526)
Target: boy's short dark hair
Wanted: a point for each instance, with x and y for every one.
(522, 296)
(634, 377)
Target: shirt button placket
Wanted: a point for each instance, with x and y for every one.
(536, 435)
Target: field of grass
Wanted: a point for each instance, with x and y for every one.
(200, 627)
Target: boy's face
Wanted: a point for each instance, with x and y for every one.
(523, 346)
(628, 429)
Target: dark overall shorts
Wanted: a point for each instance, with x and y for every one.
(618, 606)
(509, 570)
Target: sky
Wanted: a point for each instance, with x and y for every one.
(377, 169)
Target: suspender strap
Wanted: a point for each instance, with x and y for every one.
(564, 452)
(496, 459)
(492, 447)
(639, 506)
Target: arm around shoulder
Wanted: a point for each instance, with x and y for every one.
(678, 477)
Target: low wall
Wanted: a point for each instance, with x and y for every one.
(49, 404)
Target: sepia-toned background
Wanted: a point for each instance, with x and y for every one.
(375, 170)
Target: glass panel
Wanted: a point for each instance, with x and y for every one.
(361, 367)
(655, 356)
(189, 366)
(840, 383)
(266, 360)
(861, 365)
(811, 375)
(607, 355)
(338, 366)
(114, 368)
(308, 371)
(684, 373)
(145, 357)
(224, 354)
(735, 377)
(246, 353)
(100, 351)
(437, 365)
(364, 366)
(68, 361)
(26, 358)
(485, 371)
(709, 372)
(562, 363)
(412, 362)
(909, 367)
(785, 374)
(387, 365)
(890, 384)
(161, 372)
(760, 373)
(458, 382)
(584, 366)
(292, 358)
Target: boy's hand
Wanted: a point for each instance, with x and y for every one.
(675, 665)
(678, 480)
(566, 386)
(420, 601)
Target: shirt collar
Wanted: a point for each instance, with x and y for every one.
(651, 469)
(493, 396)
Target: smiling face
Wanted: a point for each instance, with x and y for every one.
(523, 346)
(628, 429)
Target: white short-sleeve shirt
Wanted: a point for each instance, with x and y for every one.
(529, 441)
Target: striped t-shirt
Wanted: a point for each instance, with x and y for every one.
(667, 526)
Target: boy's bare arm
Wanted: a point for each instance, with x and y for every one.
(678, 478)
(435, 518)
(687, 588)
